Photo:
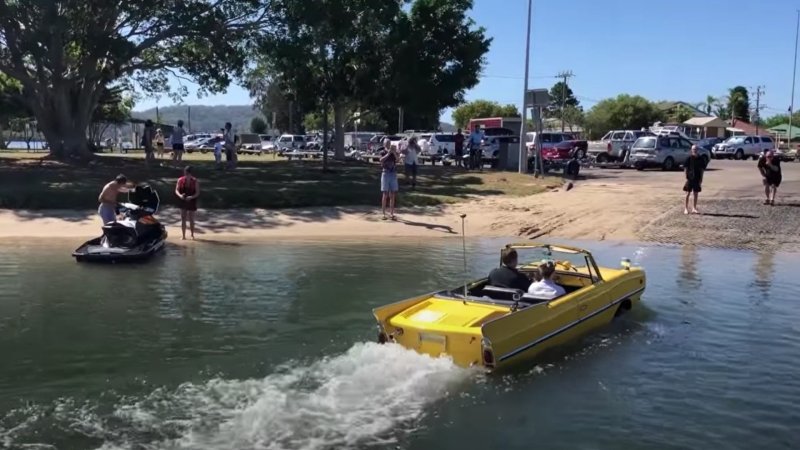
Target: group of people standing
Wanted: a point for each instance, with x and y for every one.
(153, 141)
(187, 191)
(694, 167)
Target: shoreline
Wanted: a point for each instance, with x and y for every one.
(607, 205)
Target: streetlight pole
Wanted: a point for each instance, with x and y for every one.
(523, 148)
(794, 75)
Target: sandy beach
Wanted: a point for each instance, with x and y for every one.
(611, 204)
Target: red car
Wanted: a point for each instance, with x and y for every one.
(557, 146)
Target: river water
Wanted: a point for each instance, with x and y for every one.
(270, 346)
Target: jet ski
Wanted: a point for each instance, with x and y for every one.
(136, 236)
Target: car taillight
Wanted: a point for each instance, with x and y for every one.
(487, 353)
(609, 146)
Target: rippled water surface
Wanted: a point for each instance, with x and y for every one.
(269, 346)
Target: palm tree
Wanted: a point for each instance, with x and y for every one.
(710, 102)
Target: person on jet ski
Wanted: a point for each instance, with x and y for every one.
(108, 198)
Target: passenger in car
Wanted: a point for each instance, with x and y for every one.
(546, 288)
(507, 276)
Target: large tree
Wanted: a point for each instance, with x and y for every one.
(114, 108)
(560, 95)
(482, 108)
(739, 103)
(11, 106)
(65, 53)
(361, 55)
(625, 112)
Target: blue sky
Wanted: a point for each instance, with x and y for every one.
(676, 50)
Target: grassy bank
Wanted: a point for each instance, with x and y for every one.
(27, 181)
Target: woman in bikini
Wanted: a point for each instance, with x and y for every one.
(187, 189)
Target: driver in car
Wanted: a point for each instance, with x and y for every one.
(507, 275)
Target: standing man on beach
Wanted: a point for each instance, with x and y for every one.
(770, 168)
(177, 141)
(230, 145)
(475, 139)
(389, 185)
(108, 198)
(459, 148)
(694, 168)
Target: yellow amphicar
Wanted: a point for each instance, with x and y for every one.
(478, 324)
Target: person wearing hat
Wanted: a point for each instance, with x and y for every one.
(770, 168)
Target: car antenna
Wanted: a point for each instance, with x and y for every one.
(464, 253)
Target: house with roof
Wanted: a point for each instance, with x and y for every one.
(743, 127)
(706, 127)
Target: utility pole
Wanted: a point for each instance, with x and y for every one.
(759, 93)
(523, 153)
(565, 75)
(794, 75)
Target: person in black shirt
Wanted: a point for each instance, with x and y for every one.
(507, 276)
(694, 168)
(770, 168)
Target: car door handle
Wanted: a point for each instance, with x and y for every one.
(583, 307)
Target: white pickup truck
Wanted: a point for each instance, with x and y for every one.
(743, 147)
(611, 147)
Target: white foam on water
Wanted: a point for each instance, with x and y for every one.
(638, 256)
(363, 397)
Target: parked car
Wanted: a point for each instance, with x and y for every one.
(612, 147)
(249, 143)
(709, 143)
(201, 144)
(290, 142)
(557, 145)
(743, 147)
(666, 152)
(440, 143)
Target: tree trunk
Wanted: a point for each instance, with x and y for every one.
(325, 137)
(63, 114)
(338, 130)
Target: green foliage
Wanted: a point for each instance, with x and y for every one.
(437, 55)
(482, 108)
(739, 103)
(625, 112)
(65, 53)
(680, 114)
(348, 55)
(258, 125)
(560, 94)
(272, 100)
(781, 119)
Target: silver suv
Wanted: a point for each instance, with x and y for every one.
(666, 152)
(743, 147)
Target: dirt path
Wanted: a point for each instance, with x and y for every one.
(607, 205)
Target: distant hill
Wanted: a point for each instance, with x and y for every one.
(203, 117)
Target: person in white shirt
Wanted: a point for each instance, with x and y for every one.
(475, 139)
(410, 153)
(176, 141)
(546, 288)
